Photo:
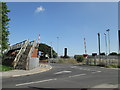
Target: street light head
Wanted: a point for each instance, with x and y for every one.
(108, 30)
(105, 34)
(98, 33)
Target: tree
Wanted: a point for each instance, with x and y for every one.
(4, 30)
(102, 53)
(113, 53)
(47, 50)
(79, 58)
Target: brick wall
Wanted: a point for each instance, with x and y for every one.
(35, 53)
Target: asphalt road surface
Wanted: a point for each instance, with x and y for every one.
(67, 76)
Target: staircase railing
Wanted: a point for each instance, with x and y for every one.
(33, 43)
(22, 50)
(15, 46)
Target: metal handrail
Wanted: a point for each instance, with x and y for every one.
(23, 48)
(30, 52)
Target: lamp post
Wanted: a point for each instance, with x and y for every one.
(99, 42)
(118, 41)
(108, 39)
(57, 45)
(51, 51)
(85, 46)
(105, 42)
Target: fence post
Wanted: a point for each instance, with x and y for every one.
(87, 61)
(94, 60)
(106, 60)
(118, 61)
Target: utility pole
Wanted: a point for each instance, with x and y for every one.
(57, 45)
(51, 51)
(108, 39)
(39, 39)
(105, 42)
(118, 41)
(85, 46)
(99, 42)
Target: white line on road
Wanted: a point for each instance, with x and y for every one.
(80, 68)
(77, 75)
(96, 72)
(63, 72)
(84, 69)
(73, 66)
(35, 82)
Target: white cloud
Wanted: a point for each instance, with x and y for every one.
(39, 9)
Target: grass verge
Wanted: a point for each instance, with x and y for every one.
(4, 68)
(112, 66)
(67, 61)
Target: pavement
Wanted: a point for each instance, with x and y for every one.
(17, 73)
(66, 76)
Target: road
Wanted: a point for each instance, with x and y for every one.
(67, 76)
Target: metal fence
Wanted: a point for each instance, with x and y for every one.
(103, 60)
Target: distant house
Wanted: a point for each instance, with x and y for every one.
(43, 56)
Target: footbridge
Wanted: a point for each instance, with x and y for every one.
(19, 54)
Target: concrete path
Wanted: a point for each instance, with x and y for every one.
(16, 73)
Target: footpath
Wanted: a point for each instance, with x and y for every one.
(17, 73)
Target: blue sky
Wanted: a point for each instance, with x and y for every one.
(71, 22)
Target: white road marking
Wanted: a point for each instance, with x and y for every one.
(96, 72)
(113, 68)
(84, 69)
(106, 86)
(63, 72)
(35, 82)
(77, 75)
(73, 66)
(15, 75)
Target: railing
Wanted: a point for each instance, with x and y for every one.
(23, 48)
(107, 60)
(33, 43)
(17, 45)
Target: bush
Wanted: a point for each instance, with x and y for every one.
(5, 68)
(102, 53)
(64, 57)
(113, 53)
(118, 54)
(79, 58)
(101, 64)
(112, 66)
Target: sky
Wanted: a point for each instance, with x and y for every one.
(70, 21)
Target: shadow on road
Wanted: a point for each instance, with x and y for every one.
(72, 88)
(42, 88)
(38, 88)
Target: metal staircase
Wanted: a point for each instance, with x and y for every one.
(33, 45)
(18, 55)
(22, 61)
(22, 50)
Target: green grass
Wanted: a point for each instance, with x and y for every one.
(112, 66)
(5, 68)
(67, 61)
